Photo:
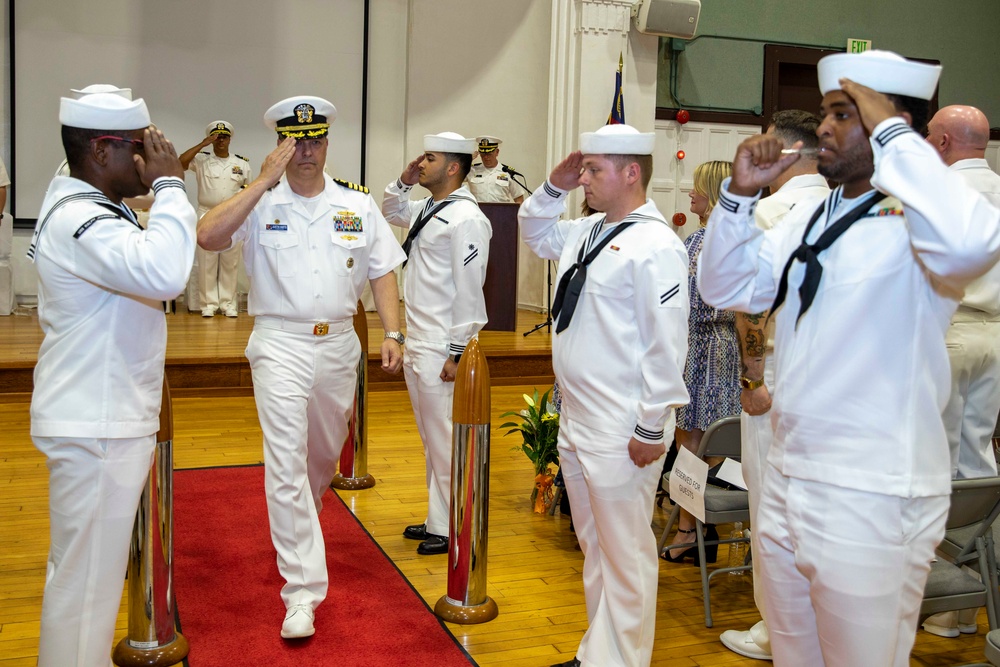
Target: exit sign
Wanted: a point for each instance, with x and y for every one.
(858, 45)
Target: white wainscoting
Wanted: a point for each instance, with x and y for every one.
(673, 178)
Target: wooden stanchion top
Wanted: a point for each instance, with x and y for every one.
(472, 387)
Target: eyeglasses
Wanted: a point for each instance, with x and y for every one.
(138, 143)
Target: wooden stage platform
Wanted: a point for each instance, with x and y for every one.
(205, 355)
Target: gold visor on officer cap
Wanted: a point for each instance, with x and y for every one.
(301, 117)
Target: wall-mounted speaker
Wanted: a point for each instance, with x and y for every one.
(668, 18)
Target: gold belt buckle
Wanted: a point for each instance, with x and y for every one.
(321, 329)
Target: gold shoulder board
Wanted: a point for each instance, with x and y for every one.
(352, 186)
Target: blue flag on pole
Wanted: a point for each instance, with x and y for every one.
(617, 115)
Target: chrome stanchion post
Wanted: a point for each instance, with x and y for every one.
(152, 639)
(466, 601)
(353, 472)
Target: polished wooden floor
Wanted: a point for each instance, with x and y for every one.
(534, 564)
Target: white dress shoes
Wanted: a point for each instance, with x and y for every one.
(752, 643)
(298, 622)
(231, 311)
(951, 624)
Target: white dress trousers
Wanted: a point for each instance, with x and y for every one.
(757, 434)
(844, 571)
(304, 388)
(432, 398)
(217, 274)
(971, 414)
(94, 489)
(612, 501)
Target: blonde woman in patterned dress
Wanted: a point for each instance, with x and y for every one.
(713, 362)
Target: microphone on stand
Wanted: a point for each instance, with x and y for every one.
(513, 174)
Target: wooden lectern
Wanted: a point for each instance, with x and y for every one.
(501, 272)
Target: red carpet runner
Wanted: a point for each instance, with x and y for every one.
(227, 586)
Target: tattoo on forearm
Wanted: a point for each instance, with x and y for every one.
(754, 342)
(755, 319)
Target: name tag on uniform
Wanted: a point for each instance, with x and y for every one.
(347, 221)
(275, 226)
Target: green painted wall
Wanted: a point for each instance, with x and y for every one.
(964, 35)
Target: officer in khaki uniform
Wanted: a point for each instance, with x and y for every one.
(309, 243)
(490, 181)
(220, 175)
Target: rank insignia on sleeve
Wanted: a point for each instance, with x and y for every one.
(347, 221)
(472, 255)
(667, 295)
(245, 159)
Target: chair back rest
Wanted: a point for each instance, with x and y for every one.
(722, 438)
(974, 502)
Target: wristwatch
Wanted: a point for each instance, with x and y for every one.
(749, 384)
(396, 336)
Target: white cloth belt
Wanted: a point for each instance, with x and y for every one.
(318, 328)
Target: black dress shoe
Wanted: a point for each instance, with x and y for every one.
(569, 663)
(434, 544)
(417, 532)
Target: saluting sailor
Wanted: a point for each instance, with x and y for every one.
(309, 243)
(96, 404)
(856, 491)
(220, 175)
(448, 248)
(491, 181)
(621, 316)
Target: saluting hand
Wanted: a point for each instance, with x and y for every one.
(411, 174)
(873, 106)
(274, 164)
(566, 175)
(160, 158)
(758, 162)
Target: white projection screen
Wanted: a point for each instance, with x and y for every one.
(193, 61)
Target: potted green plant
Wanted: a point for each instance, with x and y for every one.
(538, 426)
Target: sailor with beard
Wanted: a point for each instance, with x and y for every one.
(447, 247)
(856, 490)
